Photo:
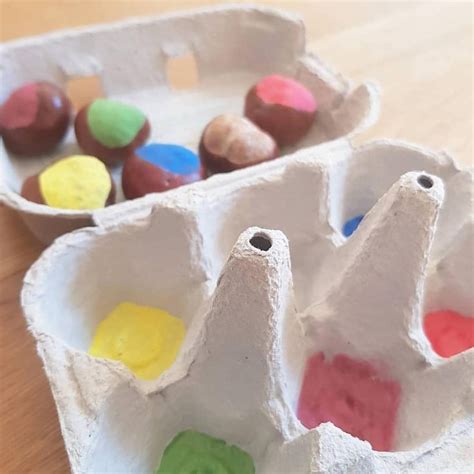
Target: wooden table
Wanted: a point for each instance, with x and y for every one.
(421, 54)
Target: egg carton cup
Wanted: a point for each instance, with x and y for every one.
(254, 316)
(232, 47)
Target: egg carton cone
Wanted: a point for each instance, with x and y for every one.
(228, 47)
(254, 316)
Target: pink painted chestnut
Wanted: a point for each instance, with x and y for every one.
(111, 130)
(158, 167)
(34, 119)
(282, 107)
(231, 142)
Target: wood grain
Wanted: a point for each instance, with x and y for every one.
(420, 53)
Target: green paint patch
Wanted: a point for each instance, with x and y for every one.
(113, 123)
(191, 452)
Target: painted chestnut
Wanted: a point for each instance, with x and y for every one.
(35, 118)
(158, 167)
(111, 130)
(231, 142)
(76, 182)
(282, 107)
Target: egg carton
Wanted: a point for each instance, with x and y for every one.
(232, 48)
(253, 317)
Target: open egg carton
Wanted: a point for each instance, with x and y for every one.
(227, 48)
(254, 316)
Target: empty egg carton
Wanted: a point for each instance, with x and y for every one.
(253, 318)
(229, 48)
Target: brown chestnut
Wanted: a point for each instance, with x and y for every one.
(231, 142)
(159, 167)
(111, 130)
(34, 119)
(282, 107)
(77, 182)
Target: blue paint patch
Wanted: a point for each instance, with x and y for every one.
(172, 158)
(351, 225)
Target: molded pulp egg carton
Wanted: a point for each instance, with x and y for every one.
(253, 317)
(233, 47)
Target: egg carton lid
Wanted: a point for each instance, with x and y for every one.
(115, 52)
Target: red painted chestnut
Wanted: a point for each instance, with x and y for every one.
(282, 107)
(34, 119)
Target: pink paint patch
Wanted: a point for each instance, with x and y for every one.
(21, 108)
(349, 394)
(285, 91)
(449, 332)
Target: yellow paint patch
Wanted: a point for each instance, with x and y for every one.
(147, 340)
(76, 182)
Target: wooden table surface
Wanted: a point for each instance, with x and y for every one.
(420, 53)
